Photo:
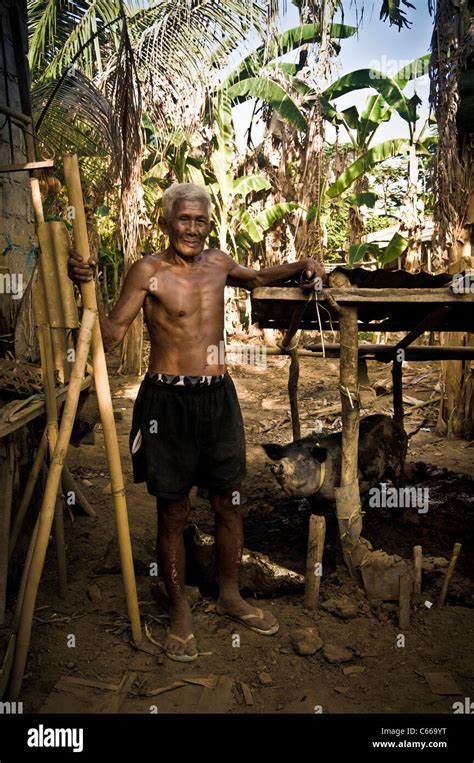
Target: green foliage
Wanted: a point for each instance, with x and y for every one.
(386, 150)
(395, 249)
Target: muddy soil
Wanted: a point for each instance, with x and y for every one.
(388, 677)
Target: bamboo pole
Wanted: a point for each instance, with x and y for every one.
(61, 244)
(50, 276)
(73, 184)
(10, 650)
(49, 501)
(28, 492)
(449, 574)
(46, 351)
(7, 464)
(417, 559)
(314, 558)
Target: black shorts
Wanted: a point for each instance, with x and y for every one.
(187, 435)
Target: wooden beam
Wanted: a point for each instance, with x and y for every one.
(36, 409)
(427, 324)
(359, 296)
(27, 166)
(385, 351)
(17, 116)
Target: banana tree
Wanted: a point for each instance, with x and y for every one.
(280, 88)
(361, 129)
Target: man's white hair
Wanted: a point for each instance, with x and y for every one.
(184, 192)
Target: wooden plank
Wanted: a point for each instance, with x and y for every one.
(37, 409)
(17, 116)
(26, 166)
(358, 296)
(385, 351)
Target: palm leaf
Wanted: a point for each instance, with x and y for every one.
(292, 39)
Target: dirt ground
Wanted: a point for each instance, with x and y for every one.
(265, 674)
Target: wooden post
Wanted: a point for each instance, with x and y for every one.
(417, 559)
(49, 501)
(73, 184)
(348, 505)
(404, 602)
(397, 391)
(314, 559)
(7, 464)
(449, 574)
(289, 344)
(293, 377)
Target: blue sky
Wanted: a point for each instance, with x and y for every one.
(377, 45)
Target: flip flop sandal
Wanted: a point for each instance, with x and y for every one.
(182, 657)
(260, 615)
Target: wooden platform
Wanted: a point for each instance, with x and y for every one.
(377, 309)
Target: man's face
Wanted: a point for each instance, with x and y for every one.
(188, 228)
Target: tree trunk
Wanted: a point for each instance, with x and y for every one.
(456, 411)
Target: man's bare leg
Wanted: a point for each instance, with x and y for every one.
(229, 544)
(172, 516)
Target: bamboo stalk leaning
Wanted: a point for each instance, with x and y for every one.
(73, 185)
(48, 505)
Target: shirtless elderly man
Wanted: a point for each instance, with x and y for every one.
(187, 426)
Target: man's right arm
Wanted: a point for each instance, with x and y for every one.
(135, 288)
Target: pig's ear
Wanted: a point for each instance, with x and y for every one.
(320, 454)
(273, 450)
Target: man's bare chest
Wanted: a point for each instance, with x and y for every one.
(183, 294)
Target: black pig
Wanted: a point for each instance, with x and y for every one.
(300, 471)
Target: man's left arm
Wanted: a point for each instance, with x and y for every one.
(247, 278)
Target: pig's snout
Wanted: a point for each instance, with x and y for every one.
(277, 469)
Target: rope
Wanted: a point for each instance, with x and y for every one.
(346, 391)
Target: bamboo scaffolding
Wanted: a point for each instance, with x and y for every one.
(89, 299)
(49, 502)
